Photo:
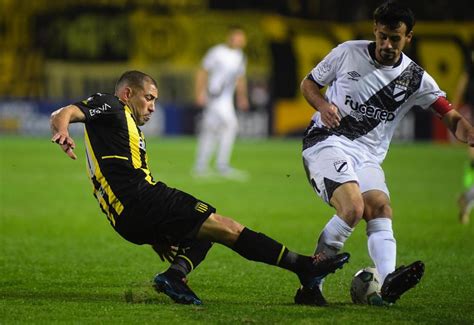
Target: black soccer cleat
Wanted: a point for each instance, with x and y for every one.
(321, 266)
(310, 291)
(401, 280)
(310, 296)
(176, 288)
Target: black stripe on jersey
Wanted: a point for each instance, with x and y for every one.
(389, 99)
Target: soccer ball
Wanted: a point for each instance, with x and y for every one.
(365, 287)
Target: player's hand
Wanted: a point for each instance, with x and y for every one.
(165, 251)
(330, 115)
(66, 143)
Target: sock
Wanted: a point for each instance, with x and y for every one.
(332, 238)
(188, 258)
(260, 248)
(382, 246)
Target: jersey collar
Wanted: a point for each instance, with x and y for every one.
(371, 49)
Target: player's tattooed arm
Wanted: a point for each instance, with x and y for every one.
(59, 122)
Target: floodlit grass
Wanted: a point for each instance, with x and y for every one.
(62, 262)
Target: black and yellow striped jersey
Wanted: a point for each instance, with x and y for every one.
(116, 155)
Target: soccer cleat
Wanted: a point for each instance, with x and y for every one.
(176, 288)
(401, 280)
(310, 291)
(310, 296)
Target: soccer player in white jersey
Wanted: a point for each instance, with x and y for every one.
(371, 86)
(222, 74)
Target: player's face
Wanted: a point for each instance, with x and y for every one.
(142, 102)
(237, 39)
(390, 42)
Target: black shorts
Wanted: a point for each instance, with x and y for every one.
(167, 215)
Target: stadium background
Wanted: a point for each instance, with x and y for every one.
(59, 52)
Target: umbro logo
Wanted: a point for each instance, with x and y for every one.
(354, 75)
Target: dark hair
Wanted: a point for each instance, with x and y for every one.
(235, 27)
(391, 13)
(134, 79)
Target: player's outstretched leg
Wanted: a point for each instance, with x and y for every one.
(401, 280)
(310, 291)
(174, 285)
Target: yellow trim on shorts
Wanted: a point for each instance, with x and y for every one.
(281, 254)
(187, 259)
(114, 156)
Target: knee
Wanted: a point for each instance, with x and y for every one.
(351, 211)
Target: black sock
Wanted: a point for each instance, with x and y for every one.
(258, 247)
(295, 262)
(188, 258)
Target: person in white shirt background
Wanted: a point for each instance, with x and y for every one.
(222, 74)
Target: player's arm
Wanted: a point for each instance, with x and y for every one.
(458, 125)
(312, 93)
(200, 87)
(241, 93)
(59, 121)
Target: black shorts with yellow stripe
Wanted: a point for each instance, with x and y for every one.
(168, 215)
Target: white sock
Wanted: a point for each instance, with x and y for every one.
(333, 236)
(382, 246)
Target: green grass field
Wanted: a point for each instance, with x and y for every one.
(62, 262)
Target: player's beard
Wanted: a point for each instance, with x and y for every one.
(388, 57)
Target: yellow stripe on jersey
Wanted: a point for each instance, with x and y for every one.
(114, 157)
(280, 255)
(135, 139)
(94, 170)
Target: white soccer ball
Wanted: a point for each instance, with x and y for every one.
(365, 287)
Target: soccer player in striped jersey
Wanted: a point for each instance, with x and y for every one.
(179, 227)
(371, 86)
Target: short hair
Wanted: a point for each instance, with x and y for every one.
(235, 27)
(391, 13)
(134, 79)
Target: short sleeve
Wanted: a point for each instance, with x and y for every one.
(326, 71)
(99, 105)
(209, 59)
(428, 92)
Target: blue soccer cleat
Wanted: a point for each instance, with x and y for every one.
(175, 288)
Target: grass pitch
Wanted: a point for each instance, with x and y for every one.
(62, 262)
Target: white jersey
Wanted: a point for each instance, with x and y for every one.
(372, 98)
(224, 66)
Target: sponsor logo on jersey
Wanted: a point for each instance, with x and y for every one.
(354, 75)
(400, 90)
(341, 166)
(142, 144)
(99, 110)
(359, 111)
